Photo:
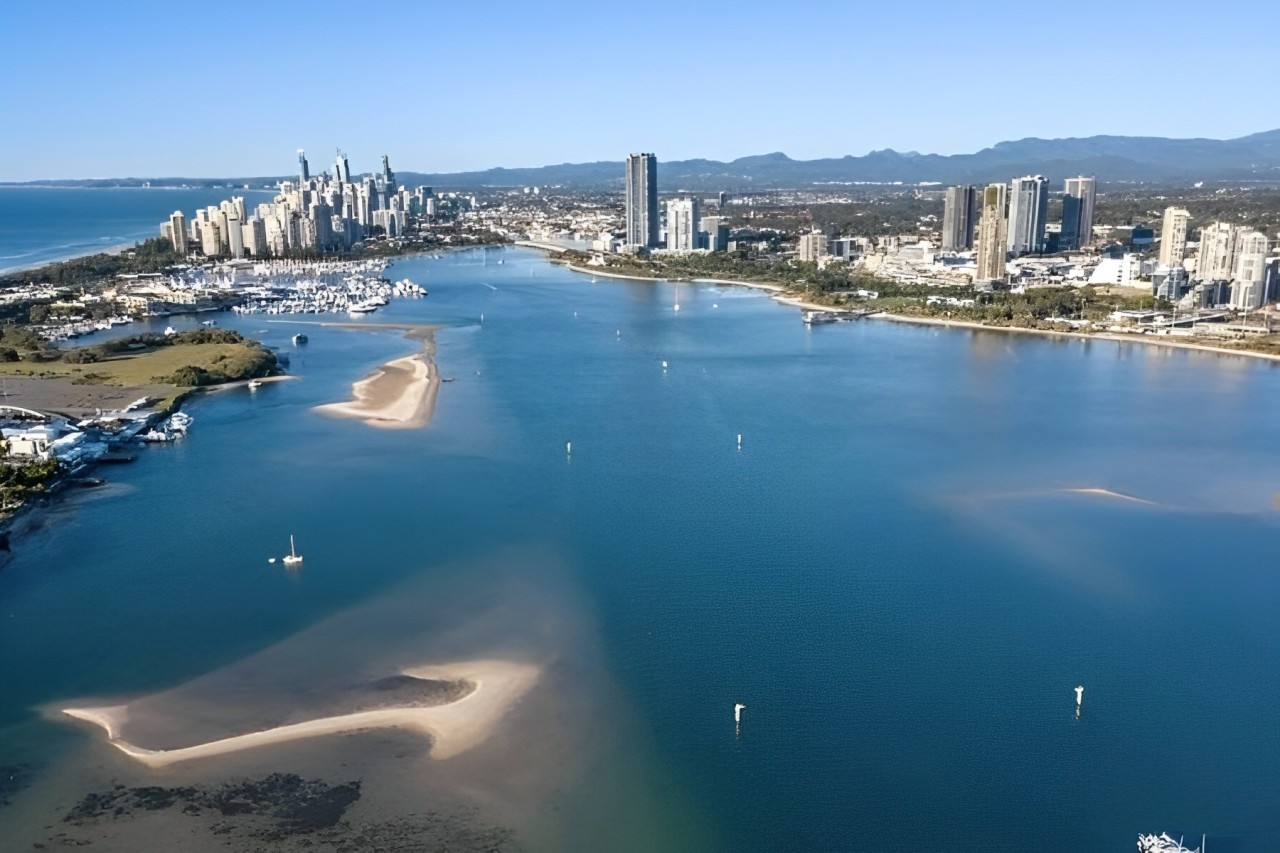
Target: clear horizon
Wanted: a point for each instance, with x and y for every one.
(160, 91)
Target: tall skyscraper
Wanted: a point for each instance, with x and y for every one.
(642, 200)
(342, 169)
(682, 224)
(958, 218)
(1173, 236)
(1248, 287)
(304, 173)
(178, 229)
(1028, 206)
(388, 176)
(1217, 258)
(992, 235)
(1078, 202)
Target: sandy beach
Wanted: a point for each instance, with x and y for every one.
(1147, 340)
(400, 394)
(454, 727)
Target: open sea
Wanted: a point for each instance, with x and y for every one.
(46, 224)
(892, 573)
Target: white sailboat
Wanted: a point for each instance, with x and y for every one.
(293, 558)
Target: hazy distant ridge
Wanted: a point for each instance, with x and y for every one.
(1112, 158)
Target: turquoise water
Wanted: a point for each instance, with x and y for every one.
(888, 572)
(44, 224)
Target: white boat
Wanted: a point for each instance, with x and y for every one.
(814, 317)
(1162, 843)
(255, 384)
(299, 339)
(293, 558)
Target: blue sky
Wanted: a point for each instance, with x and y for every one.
(231, 88)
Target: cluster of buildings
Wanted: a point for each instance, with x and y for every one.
(1000, 221)
(686, 229)
(1232, 265)
(321, 213)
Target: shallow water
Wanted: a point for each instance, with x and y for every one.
(887, 573)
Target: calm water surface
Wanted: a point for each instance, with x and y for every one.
(888, 573)
(44, 224)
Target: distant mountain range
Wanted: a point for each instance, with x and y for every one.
(1110, 158)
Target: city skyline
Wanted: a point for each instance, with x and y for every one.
(142, 122)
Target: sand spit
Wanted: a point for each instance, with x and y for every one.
(1108, 493)
(454, 727)
(399, 395)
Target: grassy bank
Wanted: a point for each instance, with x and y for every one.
(181, 363)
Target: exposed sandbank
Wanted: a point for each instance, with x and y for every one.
(400, 394)
(1108, 493)
(454, 727)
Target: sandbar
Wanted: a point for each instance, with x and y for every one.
(400, 394)
(454, 727)
(1109, 493)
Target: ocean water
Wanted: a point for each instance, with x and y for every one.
(893, 572)
(44, 224)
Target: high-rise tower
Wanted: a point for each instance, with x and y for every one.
(642, 200)
(1077, 212)
(1173, 236)
(1028, 205)
(178, 227)
(991, 233)
(304, 173)
(682, 224)
(1217, 258)
(1250, 273)
(958, 217)
(388, 176)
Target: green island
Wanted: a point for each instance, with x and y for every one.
(182, 362)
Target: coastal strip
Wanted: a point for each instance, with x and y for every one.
(400, 394)
(1149, 340)
(454, 728)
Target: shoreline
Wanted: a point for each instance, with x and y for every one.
(400, 394)
(1148, 340)
(454, 727)
(1111, 337)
